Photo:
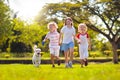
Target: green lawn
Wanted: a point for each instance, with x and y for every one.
(94, 71)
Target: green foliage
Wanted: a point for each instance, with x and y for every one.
(45, 54)
(95, 54)
(7, 55)
(5, 22)
(76, 52)
(8, 50)
(107, 52)
(27, 34)
(20, 47)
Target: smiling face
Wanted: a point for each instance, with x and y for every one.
(52, 27)
(68, 21)
(82, 28)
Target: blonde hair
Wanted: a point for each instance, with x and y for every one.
(54, 23)
(69, 18)
(80, 25)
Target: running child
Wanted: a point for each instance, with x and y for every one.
(54, 47)
(84, 43)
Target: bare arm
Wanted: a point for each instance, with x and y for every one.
(89, 44)
(77, 39)
(44, 39)
(60, 38)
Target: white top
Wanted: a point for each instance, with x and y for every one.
(68, 34)
(54, 38)
(83, 39)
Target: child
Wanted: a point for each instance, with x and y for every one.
(84, 43)
(68, 34)
(54, 47)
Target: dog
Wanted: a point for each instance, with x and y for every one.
(36, 59)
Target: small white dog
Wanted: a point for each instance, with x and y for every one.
(36, 59)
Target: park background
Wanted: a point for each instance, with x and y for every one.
(19, 34)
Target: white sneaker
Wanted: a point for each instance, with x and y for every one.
(66, 65)
(70, 64)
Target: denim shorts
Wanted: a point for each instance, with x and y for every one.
(65, 46)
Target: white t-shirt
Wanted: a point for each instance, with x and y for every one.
(83, 39)
(68, 34)
(54, 38)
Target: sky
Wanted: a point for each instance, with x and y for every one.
(28, 9)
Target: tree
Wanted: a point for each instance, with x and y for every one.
(102, 17)
(109, 14)
(5, 22)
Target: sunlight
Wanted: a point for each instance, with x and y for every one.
(28, 9)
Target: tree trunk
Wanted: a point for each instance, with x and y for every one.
(115, 55)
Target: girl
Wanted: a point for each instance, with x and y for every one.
(54, 47)
(66, 35)
(84, 42)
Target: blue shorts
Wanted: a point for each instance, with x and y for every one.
(67, 46)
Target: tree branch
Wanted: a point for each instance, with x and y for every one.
(98, 30)
(97, 12)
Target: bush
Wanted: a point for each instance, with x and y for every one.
(76, 54)
(107, 52)
(45, 54)
(76, 49)
(7, 55)
(94, 54)
(8, 50)
(18, 54)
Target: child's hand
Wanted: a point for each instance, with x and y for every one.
(43, 43)
(59, 43)
(89, 47)
(78, 41)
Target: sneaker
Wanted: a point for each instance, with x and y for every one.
(53, 66)
(86, 63)
(70, 64)
(58, 62)
(66, 66)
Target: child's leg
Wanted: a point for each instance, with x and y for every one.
(66, 57)
(86, 56)
(58, 60)
(86, 62)
(52, 56)
(52, 60)
(71, 54)
(57, 50)
(82, 62)
(71, 49)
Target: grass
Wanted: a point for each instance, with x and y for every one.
(94, 71)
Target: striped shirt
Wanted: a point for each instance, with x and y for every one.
(54, 38)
